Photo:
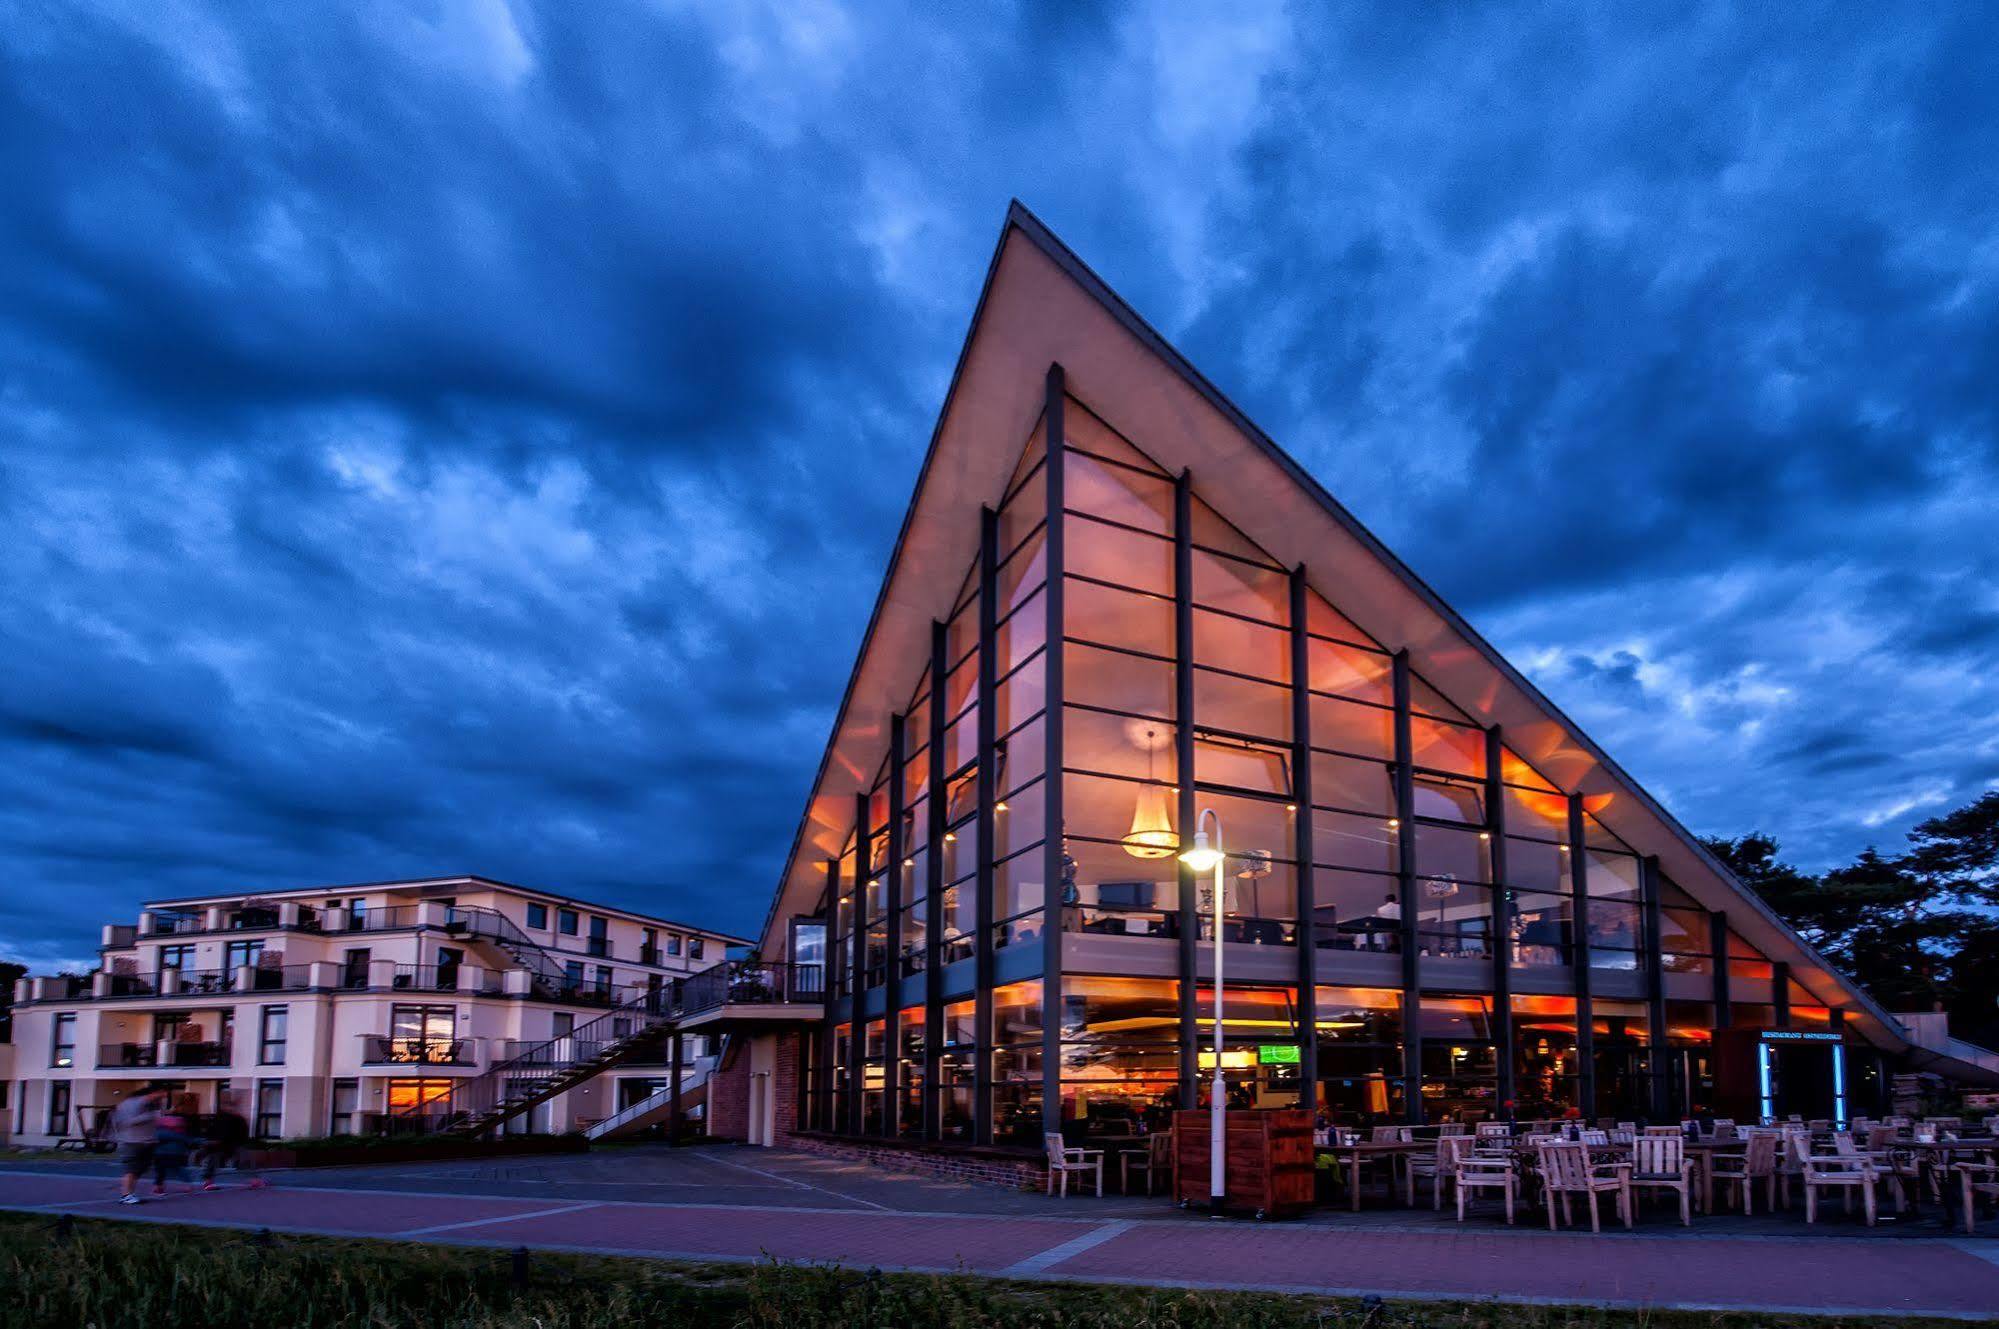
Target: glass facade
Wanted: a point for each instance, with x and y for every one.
(1429, 927)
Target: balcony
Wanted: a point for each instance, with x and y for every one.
(281, 978)
(599, 947)
(648, 955)
(749, 983)
(385, 1050)
(447, 978)
(154, 1055)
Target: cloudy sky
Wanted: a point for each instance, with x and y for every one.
(466, 435)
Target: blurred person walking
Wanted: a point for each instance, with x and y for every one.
(135, 1127)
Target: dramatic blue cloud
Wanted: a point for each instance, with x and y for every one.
(466, 436)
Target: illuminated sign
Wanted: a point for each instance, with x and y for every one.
(1277, 1054)
(1800, 1036)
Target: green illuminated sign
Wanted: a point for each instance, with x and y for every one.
(1277, 1054)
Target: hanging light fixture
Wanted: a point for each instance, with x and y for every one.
(1151, 834)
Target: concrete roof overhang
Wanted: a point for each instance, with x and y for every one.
(1041, 305)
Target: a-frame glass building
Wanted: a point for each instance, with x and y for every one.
(1114, 604)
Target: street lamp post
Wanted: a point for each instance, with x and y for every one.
(1201, 858)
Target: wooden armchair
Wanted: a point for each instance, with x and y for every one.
(1157, 1160)
(1065, 1159)
(1976, 1181)
(1660, 1163)
(1741, 1172)
(1566, 1171)
(1845, 1173)
(1485, 1172)
(1440, 1168)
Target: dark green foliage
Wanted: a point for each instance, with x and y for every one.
(1916, 930)
(132, 1276)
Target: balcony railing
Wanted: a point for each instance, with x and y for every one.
(132, 985)
(749, 983)
(167, 925)
(111, 1055)
(447, 978)
(204, 982)
(152, 1055)
(380, 1050)
(281, 978)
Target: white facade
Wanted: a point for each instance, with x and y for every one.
(323, 1011)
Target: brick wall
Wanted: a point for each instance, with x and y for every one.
(729, 1094)
(984, 1169)
(784, 1084)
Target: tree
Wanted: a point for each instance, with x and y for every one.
(1916, 930)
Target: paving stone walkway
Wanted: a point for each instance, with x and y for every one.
(741, 1204)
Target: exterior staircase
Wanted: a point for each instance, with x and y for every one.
(549, 977)
(634, 1028)
(692, 1093)
(543, 1070)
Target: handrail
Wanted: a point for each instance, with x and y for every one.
(482, 921)
(691, 1079)
(549, 1058)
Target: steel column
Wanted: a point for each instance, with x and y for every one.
(982, 902)
(1655, 984)
(1301, 804)
(857, 1029)
(933, 873)
(1724, 1014)
(1501, 924)
(1183, 758)
(1585, 1010)
(892, 960)
(1054, 850)
(1405, 876)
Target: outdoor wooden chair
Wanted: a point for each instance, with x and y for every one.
(1595, 1137)
(1389, 1135)
(1724, 1129)
(1664, 1130)
(1843, 1173)
(1450, 1128)
(1566, 1171)
(1065, 1159)
(1976, 1181)
(1156, 1160)
(1488, 1130)
(1483, 1172)
(1438, 1168)
(1901, 1168)
(1660, 1163)
(1739, 1173)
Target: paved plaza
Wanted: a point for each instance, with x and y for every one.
(725, 1203)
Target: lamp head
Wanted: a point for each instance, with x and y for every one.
(1201, 858)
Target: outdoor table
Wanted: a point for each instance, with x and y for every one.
(1114, 1147)
(1701, 1153)
(1359, 1149)
(1935, 1157)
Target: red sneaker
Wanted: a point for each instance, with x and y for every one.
(256, 1183)
(210, 1186)
(159, 1190)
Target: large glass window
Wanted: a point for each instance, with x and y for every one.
(1360, 1072)
(1460, 1063)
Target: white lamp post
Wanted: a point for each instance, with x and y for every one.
(1201, 858)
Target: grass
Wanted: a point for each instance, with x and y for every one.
(111, 1275)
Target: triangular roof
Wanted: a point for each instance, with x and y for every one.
(1042, 305)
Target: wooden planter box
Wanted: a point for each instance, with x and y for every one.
(1268, 1161)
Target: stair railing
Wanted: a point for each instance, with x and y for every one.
(527, 1075)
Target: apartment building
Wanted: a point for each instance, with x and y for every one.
(349, 1010)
